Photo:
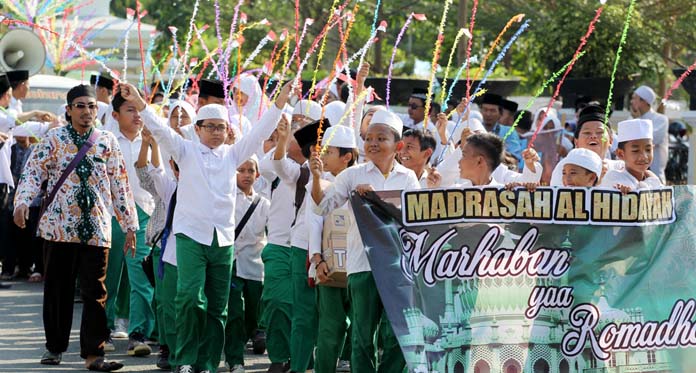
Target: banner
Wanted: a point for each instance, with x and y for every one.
(554, 280)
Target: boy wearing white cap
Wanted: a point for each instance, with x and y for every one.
(333, 303)
(304, 318)
(641, 108)
(381, 172)
(591, 134)
(276, 299)
(203, 221)
(251, 210)
(636, 150)
(581, 168)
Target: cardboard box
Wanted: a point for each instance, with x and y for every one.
(334, 246)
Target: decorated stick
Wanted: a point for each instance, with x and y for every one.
(461, 32)
(139, 16)
(130, 13)
(541, 90)
(333, 74)
(352, 107)
(419, 17)
(459, 74)
(269, 37)
(678, 82)
(468, 49)
(517, 18)
(583, 41)
(321, 51)
(436, 57)
(624, 33)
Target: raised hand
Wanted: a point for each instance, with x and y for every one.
(131, 94)
(316, 165)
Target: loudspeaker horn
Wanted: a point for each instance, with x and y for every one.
(22, 49)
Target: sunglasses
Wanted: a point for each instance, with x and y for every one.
(211, 128)
(414, 106)
(82, 106)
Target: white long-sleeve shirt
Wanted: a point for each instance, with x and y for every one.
(449, 171)
(252, 238)
(623, 177)
(400, 178)
(165, 187)
(207, 182)
(282, 210)
(131, 150)
(660, 142)
(289, 172)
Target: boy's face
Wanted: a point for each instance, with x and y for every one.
(469, 164)
(576, 176)
(212, 132)
(333, 161)
(637, 154)
(591, 138)
(379, 142)
(128, 118)
(411, 155)
(246, 175)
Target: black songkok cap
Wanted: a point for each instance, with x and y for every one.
(492, 99)
(588, 114)
(4, 84)
(18, 75)
(308, 134)
(210, 87)
(420, 93)
(509, 105)
(80, 91)
(101, 81)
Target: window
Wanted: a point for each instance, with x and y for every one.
(651, 357)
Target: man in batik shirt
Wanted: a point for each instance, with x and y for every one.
(77, 225)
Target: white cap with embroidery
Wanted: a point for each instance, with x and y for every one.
(213, 111)
(340, 137)
(635, 129)
(388, 118)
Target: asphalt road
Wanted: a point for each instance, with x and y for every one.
(22, 338)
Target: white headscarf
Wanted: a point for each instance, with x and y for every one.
(185, 106)
(249, 85)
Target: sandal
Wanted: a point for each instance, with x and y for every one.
(35, 277)
(100, 365)
(50, 358)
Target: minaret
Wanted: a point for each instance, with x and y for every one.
(449, 317)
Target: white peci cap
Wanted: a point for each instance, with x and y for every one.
(340, 137)
(213, 111)
(388, 118)
(586, 159)
(635, 129)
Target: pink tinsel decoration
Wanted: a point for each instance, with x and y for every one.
(678, 82)
(583, 41)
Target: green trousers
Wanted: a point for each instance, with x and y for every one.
(334, 310)
(117, 306)
(166, 309)
(276, 301)
(303, 335)
(141, 316)
(366, 306)
(202, 291)
(242, 316)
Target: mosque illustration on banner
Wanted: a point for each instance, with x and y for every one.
(484, 330)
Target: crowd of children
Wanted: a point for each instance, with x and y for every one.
(232, 195)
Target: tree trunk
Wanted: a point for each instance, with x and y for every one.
(377, 65)
(462, 18)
